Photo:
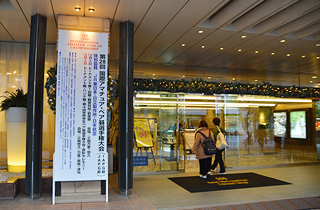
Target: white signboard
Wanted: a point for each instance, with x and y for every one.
(81, 107)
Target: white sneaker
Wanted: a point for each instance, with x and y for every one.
(222, 173)
(203, 176)
(208, 173)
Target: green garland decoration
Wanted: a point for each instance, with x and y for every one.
(193, 86)
(209, 88)
(51, 83)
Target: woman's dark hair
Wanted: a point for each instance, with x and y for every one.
(216, 121)
(203, 123)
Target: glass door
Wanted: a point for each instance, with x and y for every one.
(168, 132)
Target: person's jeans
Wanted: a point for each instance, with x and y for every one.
(218, 159)
(205, 165)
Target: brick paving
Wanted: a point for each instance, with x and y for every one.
(137, 201)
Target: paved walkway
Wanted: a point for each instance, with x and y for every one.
(158, 192)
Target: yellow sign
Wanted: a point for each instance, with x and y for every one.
(225, 181)
(142, 132)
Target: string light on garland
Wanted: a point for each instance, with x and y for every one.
(51, 82)
(193, 86)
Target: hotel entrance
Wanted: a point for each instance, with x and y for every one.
(260, 130)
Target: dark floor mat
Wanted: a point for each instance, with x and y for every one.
(225, 182)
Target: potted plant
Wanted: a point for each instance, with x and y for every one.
(15, 99)
(15, 107)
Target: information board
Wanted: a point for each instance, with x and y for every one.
(142, 133)
(81, 107)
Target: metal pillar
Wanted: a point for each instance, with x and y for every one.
(35, 105)
(125, 143)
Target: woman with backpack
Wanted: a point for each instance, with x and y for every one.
(218, 158)
(204, 160)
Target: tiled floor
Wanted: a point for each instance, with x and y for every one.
(158, 192)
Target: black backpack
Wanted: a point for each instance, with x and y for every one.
(208, 144)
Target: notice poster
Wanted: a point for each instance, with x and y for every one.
(81, 107)
(298, 124)
(280, 124)
(142, 133)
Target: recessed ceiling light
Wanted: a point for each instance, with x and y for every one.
(311, 81)
(9, 73)
(288, 54)
(317, 45)
(183, 45)
(303, 56)
(243, 36)
(314, 77)
(14, 72)
(256, 51)
(209, 77)
(283, 40)
(255, 80)
(77, 8)
(203, 46)
(183, 76)
(318, 57)
(221, 48)
(153, 74)
(91, 9)
(272, 53)
(233, 78)
(200, 32)
(239, 50)
(318, 84)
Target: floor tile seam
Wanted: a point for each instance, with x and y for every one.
(290, 200)
(264, 205)
(141, 196)
(310, 203)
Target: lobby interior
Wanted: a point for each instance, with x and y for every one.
(227, 41)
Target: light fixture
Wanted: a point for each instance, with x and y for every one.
(283, 40)
(91, 9)
(153, 74)
(255, 80)
(256, 51)
(275, 99)
(139, 95)
(239, 50)
(311, 81)
(77, 8)
(314, 77)
(288, 54)
(221, 48)
(200, 32)
(203, 46)
(318, 84)
(183, 45)
(233, 78)
(303, 56)
(243, 36)
(273, 53)
(183, 76)
(317, 45)
(196, 103)
(318, 57)
(9, 73)
(209, 77)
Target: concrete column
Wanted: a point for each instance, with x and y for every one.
(35, 106)
(125, 144)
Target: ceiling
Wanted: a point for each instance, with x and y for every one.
(162, 26)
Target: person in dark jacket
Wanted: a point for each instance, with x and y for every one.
(204, 160)
(218, 158)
